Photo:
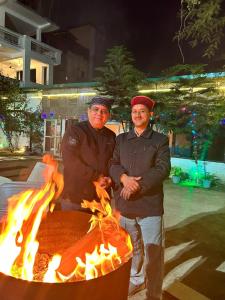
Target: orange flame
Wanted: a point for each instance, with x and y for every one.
(106, 245)
(18, 244)
(112, 245)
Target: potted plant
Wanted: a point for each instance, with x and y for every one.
(176, 174)
(208, 180)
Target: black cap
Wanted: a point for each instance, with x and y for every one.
(107, 102)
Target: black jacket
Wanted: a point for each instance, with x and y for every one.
(147, 156)
(86, 153)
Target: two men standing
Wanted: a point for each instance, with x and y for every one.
(139, 165)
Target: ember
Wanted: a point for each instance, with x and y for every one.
(104, 248)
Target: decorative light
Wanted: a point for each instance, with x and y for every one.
(83, 117)
(51, 114)
(222, 122)
(69, 95)
(183, 109)
(44, 115)
(153, 90)
(169, 90)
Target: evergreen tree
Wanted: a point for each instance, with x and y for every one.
(119, 79)
(194, 105)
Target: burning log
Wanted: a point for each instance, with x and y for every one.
(115, 237)
(106, 241)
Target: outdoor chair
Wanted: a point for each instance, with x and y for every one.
(38, 176)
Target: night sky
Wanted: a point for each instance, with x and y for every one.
(145, 27)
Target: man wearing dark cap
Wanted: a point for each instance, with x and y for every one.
(140, 164)
(86, 150)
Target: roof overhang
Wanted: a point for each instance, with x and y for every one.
(17, 11)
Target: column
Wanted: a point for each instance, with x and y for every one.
(50, 75)
(38, 34)
(26, 61)
(2, 17)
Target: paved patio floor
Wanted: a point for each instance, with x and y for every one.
(195, 240)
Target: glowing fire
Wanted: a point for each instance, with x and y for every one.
(103, 249)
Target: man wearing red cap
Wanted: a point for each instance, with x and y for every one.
(140, 164)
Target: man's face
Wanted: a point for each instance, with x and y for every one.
(140, 115)
(98, 115)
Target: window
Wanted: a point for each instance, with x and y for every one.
(19, 75)
(33, 75)
(45, 75)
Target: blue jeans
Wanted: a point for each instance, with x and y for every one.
(147, 235)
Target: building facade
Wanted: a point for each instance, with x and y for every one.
(23, 55)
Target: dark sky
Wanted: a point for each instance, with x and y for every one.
(145, 27)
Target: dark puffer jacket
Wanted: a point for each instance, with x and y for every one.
(86, 153)
(147, 156)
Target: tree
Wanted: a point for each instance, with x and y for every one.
(12, 106)
(193, 106)
(16, 118)
(119, 79)
(201, 22)
(34, 128)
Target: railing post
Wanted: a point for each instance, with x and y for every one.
(57, 57)
(38, 34)
(2, 17)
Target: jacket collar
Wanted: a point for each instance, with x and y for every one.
(146, 134)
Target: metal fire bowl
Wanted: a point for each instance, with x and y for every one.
(58, 232)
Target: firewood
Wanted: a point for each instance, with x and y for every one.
(87, 245)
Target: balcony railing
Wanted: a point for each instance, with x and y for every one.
(44, 49)
(10, 37)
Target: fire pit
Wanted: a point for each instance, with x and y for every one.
(57, 232)
(56, 255)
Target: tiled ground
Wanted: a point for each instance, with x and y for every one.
(195, 240)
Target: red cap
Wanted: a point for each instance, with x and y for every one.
(143, 100)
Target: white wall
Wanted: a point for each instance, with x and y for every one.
(187, 165)
(6, 71)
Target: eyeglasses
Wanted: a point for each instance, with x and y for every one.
(96, 110)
